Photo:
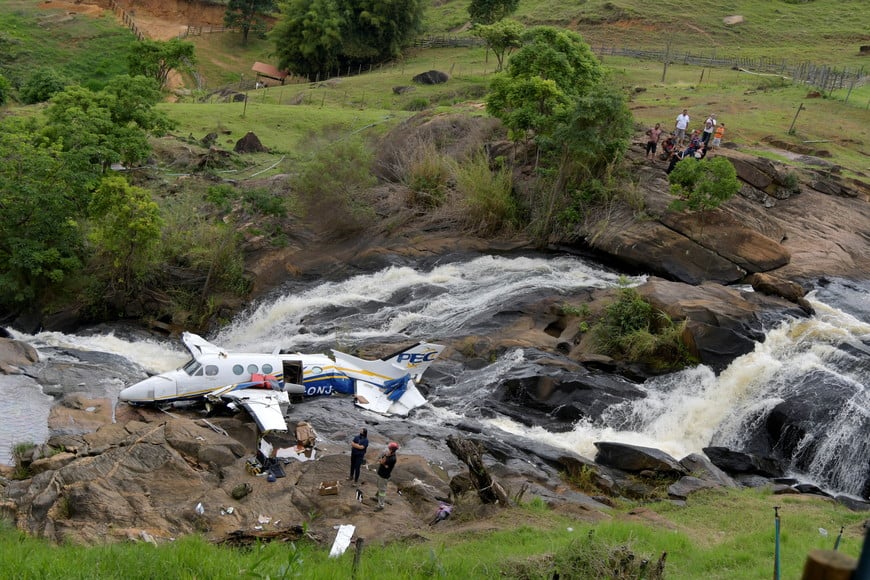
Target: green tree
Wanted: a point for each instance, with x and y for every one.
(308, 36)
(502, 38)
(108, 126)
(247, 15)
(42, 199)
(542, 79)
(126, 231)
(703, 184)
(317, 36)
(155, 58)
(491, 11)
(595, 133)
(41, 85)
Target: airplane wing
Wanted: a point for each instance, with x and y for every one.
(265, 406)
(198, 345)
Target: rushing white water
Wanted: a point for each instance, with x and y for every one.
(682, 413)
(687, 411)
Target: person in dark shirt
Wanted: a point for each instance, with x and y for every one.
(358, 448)
(385, 468)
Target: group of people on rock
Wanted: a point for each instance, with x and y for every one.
(680, 145)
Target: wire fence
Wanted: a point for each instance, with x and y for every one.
(821, 76)
(825, 78)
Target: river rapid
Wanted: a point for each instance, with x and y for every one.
(682, 413)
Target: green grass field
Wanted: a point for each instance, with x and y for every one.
(719, 535)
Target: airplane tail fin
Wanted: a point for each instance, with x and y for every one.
(412, 361)
(415, 359)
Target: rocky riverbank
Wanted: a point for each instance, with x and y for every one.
(113, 473)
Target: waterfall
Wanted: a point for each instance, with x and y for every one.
(682, 413)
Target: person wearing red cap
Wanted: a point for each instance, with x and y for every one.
(385, 468)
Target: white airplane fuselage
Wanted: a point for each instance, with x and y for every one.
(263, 382)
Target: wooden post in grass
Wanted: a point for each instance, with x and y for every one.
(667, 58)
(356, 557)
(791, 129)
(828, 565)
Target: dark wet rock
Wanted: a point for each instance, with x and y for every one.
(736, 462)
(551, 395)
(752, 480)
(431, 77)
(250, 143)
(783, 489)
(634, 458)
(699, 466)
(811, 488)
(853, 504)
(688, 485)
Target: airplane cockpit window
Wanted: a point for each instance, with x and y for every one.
(238, 369)
(191, 367)
(252, 369)
(198, 372)
(267, 369)
(211, 370)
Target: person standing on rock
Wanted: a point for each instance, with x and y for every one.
(717, 137)
(709, 127)
(652, 141)
(358, 448)
(385, 468)
(681, 126)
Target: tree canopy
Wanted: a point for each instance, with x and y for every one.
(156, 58)
(491, 11)
(318, 36)
(542, 79)
(41, 202)
(501, 38)
(247, 16)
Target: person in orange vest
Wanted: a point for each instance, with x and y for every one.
(717, 136)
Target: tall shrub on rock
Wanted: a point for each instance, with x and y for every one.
(554, 94)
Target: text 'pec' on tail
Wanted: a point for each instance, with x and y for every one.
(415, 359)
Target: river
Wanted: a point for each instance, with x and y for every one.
(682, 413)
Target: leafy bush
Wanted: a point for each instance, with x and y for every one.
(417, 104)
(41, 85)
(631, 328)
(703, 184)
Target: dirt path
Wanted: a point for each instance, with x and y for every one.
(156, 19)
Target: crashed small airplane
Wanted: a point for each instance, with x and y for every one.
(263, 383)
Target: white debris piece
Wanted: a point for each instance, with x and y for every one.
(342, 540)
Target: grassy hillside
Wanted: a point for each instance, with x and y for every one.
(827, 31)
(84, 49)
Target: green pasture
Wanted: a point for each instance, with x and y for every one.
(717, 535)
(84, 49)
(823, 31)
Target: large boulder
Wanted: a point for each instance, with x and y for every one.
(555, 397)
(431, 77)
(723, 233)
(635, 458)
(736, 462)
(654, 247)
(723, 323)
(14, 355)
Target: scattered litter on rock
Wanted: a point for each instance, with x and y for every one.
(199, 509)
(263, 519)
(328, 488)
